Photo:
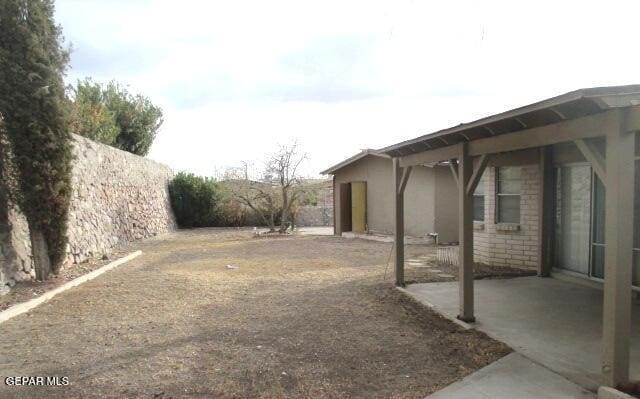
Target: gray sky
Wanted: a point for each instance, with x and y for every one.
(235, 78)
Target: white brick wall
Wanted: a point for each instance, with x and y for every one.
(509, 248)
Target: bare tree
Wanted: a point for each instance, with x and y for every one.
(278, 190)
(284, 167)
(260, 197)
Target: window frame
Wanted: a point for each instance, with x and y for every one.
(482, 182)
(499, 195)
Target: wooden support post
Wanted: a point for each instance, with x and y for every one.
(616, 327)
(593, 157)
(405, 179)
(453, 166)
(546, 200)
(477, 173)
(398, 231)
(465, 232)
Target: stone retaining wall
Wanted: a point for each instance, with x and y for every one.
(117, 197)
(314, 216)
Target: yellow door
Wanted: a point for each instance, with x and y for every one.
(358, 206)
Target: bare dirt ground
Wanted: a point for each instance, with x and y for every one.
(27, 290)
(301, 316)
(432, 271)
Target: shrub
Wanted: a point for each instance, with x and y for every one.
(194, 200)
(110, 114)
(90, 116)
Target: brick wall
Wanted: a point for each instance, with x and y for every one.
(497, 247)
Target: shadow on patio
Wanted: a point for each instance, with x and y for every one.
(553, 322)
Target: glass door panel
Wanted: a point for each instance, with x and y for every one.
(573, 218)
(597, 238)
(636, 227)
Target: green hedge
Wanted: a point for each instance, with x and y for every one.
(195, 200)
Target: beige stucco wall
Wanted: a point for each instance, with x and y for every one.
(446, 205)
(431, 205)
(420, 204)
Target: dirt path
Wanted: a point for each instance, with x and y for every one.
(300, 317)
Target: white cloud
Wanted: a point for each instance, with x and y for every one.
(236, 77)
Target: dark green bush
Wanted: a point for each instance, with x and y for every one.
(34, 123)
(195, 200)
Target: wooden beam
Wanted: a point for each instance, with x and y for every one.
(453, 166)
(568, 130)
(558, 113)
(428, 156)
(580, 128)
(405, 179)
(488, 129)
(398, 230)
(594, 157)
(529, 156)
(524, 125)
(630, 119)
(465, 237)
(619, 212)
(477, 173)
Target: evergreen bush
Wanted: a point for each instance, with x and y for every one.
(33, 114)
(195, 200)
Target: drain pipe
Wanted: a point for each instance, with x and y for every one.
(435, 238)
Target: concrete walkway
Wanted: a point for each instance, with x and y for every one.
(315, 230)
(555, 323)
(513, 376)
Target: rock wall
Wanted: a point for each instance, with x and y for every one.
(314, 216)
(117, 197)
(15, 249)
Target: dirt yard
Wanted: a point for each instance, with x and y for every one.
(300, 316)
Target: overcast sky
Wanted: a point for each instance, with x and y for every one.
(235, 78)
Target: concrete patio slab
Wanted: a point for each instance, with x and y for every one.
(555, 323)
(513, 376)
(315, 231)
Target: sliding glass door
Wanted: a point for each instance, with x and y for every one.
(580, 222)
(573, 218)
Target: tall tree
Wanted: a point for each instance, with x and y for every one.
(110, 114)
(33, 109)
(90, 116)
(137, 118)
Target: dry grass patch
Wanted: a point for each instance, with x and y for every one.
(300, 317)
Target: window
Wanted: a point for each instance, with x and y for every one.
(509, 185)
(478, 201)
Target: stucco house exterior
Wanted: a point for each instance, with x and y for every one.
(363, 202)
(431, 204)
